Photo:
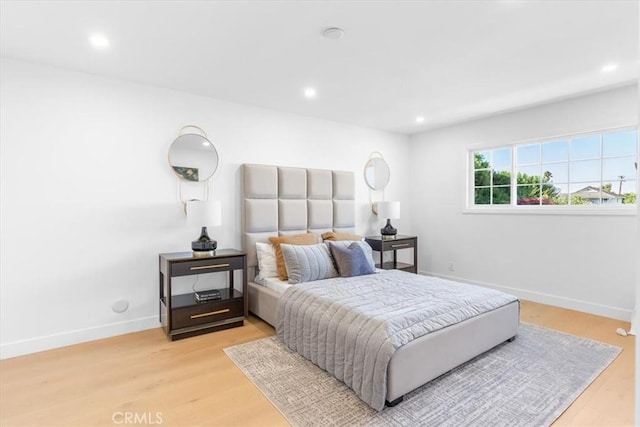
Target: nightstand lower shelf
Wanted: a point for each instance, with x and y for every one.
(390, 265)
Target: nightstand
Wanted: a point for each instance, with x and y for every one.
(181, 315)
(383, 244)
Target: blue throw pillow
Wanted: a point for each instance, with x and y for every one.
(351, 260)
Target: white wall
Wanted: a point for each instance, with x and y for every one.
(586, 263)
(89, 200)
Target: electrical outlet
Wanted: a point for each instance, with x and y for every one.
(452, 266)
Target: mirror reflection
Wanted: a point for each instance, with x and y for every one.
(193, 157)
(377, 173)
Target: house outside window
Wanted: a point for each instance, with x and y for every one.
(598, 168)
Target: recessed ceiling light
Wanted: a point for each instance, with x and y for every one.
(333, 33)
(310, 92)
(609, 68)
(419, 119)
(99, 41)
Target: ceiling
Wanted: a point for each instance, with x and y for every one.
(446, 61)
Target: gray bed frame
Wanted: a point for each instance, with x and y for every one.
(285, 200)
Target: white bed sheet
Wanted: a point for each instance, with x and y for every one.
(275, 284)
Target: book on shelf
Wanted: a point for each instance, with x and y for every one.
(208, 295)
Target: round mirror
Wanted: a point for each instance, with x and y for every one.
(193, 157)
(377, 173)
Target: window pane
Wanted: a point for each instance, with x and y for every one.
(481, 159)
(528, 194)
(586, 170)
(620, 187)
(585, 193)
(528, 154)
(483, 178)
(529, 174)
(557, 151)
(502, 159)
(585, 148)
(482, 196)
(619, 143)
(556, 172)
(629, 193)
(501, 195)
(562, 196)
(609, 195)
(501, 178)
(610, 187)
(549, 191)
(617, 167)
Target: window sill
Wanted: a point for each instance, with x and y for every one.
(553, 210)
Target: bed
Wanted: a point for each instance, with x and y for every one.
(280, 201)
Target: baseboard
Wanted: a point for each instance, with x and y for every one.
(34, 345)
(558, 301)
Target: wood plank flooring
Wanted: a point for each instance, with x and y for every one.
(191, 382)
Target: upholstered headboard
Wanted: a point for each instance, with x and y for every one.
(285, 200)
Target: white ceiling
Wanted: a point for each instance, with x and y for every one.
(445, 60)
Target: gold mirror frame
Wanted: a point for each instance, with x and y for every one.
(192, 156)
(376, 172)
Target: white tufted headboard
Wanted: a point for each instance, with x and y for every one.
(285, 200)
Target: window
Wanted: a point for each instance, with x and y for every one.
(588, 169)
(492, 177)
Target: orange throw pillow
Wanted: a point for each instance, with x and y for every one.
(297, 239)
(333, 236)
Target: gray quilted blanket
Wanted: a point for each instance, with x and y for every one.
(350, 327)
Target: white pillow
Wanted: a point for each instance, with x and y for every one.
(306, 263)
(267, 266)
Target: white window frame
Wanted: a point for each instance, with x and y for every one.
(514, 208)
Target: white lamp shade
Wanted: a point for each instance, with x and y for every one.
(388, 209)
(204, 213)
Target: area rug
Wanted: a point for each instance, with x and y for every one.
(528, 382)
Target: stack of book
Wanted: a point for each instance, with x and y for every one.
(208, 295)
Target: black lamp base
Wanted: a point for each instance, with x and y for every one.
(204, 246)
(388, 229)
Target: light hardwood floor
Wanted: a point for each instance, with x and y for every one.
(191, 382)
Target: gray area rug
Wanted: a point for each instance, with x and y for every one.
(528, 382)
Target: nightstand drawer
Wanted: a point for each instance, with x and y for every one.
(206, 266)
(207, 312)
(392, 245)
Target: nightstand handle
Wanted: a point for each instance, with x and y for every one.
(400, 245)
(204, 267)
(211, 313)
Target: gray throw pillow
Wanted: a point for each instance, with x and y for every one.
(305, 263)
(351, 260)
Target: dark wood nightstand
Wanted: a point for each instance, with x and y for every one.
(382, 244)
(181, 315)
